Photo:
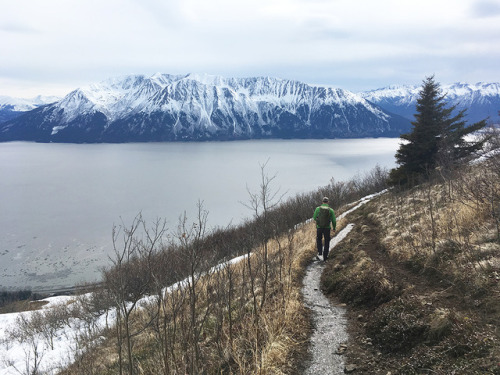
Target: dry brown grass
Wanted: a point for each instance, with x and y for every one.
(274, 342)
(433, 253)
(434, 222)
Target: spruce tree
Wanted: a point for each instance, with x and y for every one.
(437, 137)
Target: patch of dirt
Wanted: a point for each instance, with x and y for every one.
(408, 321)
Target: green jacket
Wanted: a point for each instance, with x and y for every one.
(332, 216)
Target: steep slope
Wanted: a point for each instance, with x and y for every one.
(422, 288)
(481, 100)
(202, 107)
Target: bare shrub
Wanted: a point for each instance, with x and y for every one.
(193, 254)
(29, 330)
(131, 278)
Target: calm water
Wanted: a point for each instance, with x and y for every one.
(58, 202)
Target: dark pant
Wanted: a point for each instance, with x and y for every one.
(320, 233)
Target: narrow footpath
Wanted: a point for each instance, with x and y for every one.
(329, 339)
(330, 324)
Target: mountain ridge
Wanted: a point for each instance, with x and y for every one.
(480, 100)
(195, 107)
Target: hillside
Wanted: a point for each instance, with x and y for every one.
(420, 274)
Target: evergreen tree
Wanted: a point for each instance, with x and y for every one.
(437, 137)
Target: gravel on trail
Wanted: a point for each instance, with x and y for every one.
(330, 325)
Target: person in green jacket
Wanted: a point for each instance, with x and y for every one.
(324, 216)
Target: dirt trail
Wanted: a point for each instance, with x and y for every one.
(329, 320)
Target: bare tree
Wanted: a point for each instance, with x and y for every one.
(262, 203)
(166, 307)
(130, 278)
(191, 250)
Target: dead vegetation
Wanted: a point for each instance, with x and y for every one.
(420, 272)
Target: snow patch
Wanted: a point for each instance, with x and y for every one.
(56, 129)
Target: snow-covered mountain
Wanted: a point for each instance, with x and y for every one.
(202, 107)
(481, 100)
(13, 107)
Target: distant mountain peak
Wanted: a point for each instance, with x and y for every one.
(22, 104)
(207, 79)
(481, 100)
(11, 107)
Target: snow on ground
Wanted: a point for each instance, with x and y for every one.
(22, 356)
(362, 201)
(18, 357)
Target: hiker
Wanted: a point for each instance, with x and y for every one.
(323, 216)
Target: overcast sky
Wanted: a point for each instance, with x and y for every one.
(51, 47)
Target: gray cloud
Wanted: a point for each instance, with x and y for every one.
(17, 28)
(354, 45)
(486, 8)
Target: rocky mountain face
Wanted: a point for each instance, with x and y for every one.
(481, 100)
(200, 107)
